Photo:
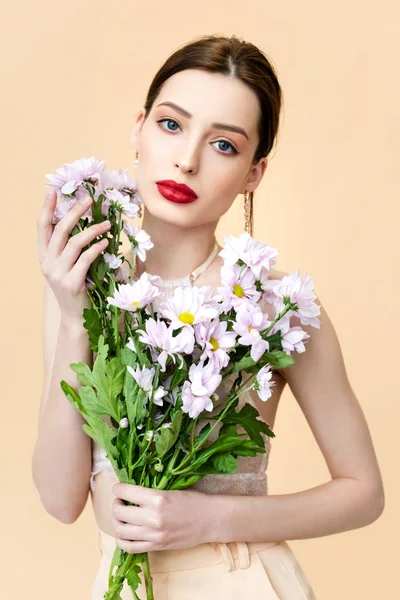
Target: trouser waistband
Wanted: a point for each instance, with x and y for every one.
(202, 555)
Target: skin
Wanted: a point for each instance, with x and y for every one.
(189, 151)
(184, 236)
(193, 153)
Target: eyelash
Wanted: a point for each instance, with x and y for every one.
(225, 141)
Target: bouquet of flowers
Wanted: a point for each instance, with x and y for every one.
(160, 358)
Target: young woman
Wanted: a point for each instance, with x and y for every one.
(203, 136)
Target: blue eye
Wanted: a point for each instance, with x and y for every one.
(234, 151)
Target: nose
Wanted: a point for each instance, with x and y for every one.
(189, 161)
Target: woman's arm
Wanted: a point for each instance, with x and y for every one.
(61, 462)
(355, 495)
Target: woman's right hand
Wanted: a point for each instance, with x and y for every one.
(62, 261)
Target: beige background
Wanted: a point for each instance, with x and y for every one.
(74, 74)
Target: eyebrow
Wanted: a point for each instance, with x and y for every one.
(184, 112)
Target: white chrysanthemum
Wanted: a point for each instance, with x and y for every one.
(121, 201)
(263, 383)
(132, 296)
(139, 239)
(112, 260)
(189, 305)
(70, 176)
(298, 291)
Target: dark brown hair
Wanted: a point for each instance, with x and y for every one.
(236, 58)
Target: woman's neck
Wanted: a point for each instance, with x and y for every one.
(177, 251)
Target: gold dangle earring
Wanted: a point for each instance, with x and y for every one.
(137, 157)
(248, 212)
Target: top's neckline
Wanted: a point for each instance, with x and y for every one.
(187, 279)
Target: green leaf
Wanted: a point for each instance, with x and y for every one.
(100, 432)
(83, 372)
(72, 396)
(92, 323)
(243, 364)
(140, 351)
(169, 435)
(106, 377)
(219, 446)
(136, 400)
(280, 359)
(180, 374)
(185, 481)
(132, 577)
(202, 434)
(225, 463)
(247, 418)
(249, 448)
(128, 357)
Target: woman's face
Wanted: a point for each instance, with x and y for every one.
(215, 162)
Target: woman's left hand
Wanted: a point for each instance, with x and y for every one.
(164, 519)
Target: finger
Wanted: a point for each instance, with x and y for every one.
(76, 243)
(135, 547)
(64, 227)
(137, 494)
(134, 533)
(82, 265)
(134, 515)
(45, 226)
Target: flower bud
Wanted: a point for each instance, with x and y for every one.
(124, 423)
(166, 425)
(149, 436)
(158, 467)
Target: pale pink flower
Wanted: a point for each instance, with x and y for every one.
(263, 383)
(112, 260)
(121, 201)
(139, 239)
(132, 296)
(70, 176)
(196, 393)
(292, 337)
(239, 287)
(249, 322)
(160, 337)
(234, 248)
(213, 337)
(296, 290)
(253, 253)
(120, 180)
(258, 256)
(188, 306)
(144, 378)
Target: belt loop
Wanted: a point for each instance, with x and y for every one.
(244, 555)
(227, 556)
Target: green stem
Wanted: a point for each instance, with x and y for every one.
(188, 457)
(164, 481)
(147, 577)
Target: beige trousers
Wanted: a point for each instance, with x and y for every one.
(215, 571)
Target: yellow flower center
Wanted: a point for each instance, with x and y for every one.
(214, 344)
(187, 318)
(135, 303)
(250, 328)
(238, 290)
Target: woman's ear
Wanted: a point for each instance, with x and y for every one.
(255, 175)
(138, 126)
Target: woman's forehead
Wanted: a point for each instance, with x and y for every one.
(212, 97)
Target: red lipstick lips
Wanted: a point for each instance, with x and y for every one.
(176, 192)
